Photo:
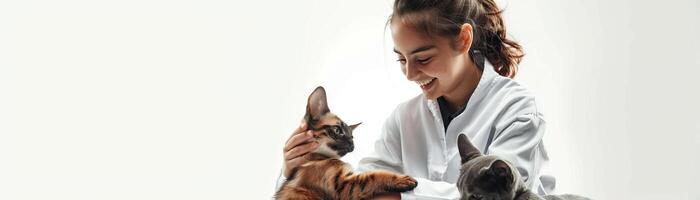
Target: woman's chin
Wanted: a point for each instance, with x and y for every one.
(431, 95)
(431, 91)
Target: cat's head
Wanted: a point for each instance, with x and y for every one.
(484, 177)
(334, 136)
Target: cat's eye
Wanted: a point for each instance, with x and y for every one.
(333, 130)
(336, 130)
(475, 197)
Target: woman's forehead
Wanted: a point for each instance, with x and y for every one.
(408, 40)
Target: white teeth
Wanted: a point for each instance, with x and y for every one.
(425, 82)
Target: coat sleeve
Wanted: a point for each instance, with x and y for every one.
(518, 139)
(280, 181)
(387, 156)
(433, 190)
(387, 149)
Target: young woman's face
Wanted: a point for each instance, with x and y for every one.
(430, 62)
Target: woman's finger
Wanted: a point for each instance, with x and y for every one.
(300, 129)
(296, 140)
(300, 150)
(291, 164)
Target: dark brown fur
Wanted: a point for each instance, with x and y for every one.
(325, 176)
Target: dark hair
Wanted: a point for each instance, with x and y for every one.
(446, 17)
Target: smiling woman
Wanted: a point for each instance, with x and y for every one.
(190, 99)
(457, 53)
(441, 39)
(598, 68)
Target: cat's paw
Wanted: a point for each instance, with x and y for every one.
(404, 183)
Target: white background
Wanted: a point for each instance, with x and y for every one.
(194, 99)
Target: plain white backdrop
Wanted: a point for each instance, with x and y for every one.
(194, 99)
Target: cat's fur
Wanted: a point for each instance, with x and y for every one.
(488, 177)
(325, 176)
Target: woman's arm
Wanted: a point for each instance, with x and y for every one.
(298, 145)
(387, 156)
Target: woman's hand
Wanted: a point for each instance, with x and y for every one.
(298, 145)
(388, 196)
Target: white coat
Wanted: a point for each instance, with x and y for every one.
(500, 118)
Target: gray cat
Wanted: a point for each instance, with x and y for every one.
(488, 177)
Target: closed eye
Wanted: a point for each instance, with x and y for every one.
(401, 60)
(424, 61)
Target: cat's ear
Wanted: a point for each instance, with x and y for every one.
(352, 127)
(466, 149)
(500, 174)
(317, 105)
(501, 169)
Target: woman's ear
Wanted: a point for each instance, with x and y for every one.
(465, 37)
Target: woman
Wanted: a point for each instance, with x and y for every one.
(457, 52)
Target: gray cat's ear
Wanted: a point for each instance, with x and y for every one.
(467, 151)
(501, 169)
(352, 127)
(317, 105)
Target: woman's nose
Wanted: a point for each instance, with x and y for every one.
(410, 71)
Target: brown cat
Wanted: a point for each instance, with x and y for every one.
(325, 176)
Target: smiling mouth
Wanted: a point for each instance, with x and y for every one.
(425, 83)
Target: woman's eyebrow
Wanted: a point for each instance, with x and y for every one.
(419, 49)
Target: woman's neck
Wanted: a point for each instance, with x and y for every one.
(460, 95)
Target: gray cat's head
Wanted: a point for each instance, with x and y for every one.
(334, 136)
(484, 177)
